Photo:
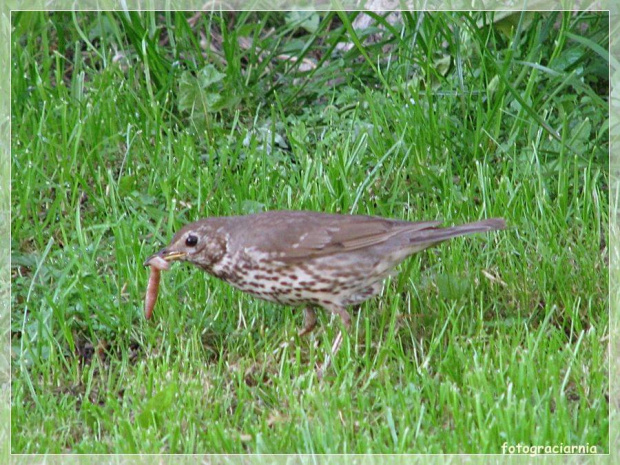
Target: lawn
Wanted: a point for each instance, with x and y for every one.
(125, 127)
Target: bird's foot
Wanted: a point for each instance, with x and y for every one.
(309, 322)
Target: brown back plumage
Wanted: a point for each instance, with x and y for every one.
(300, 235)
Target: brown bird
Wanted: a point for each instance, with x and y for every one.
(308, 258)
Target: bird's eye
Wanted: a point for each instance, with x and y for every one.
(191, 240)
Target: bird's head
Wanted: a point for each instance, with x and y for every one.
(201, 243)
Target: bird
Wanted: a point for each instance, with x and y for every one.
(306, 258)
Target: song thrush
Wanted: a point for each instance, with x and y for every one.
(307, 258)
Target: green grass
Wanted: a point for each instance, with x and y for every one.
(119, 138)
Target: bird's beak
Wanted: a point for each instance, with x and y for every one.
(167, 255)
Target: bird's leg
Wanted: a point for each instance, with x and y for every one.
(344, 315)
(346, 322)
(309, 321)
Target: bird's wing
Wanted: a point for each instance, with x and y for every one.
(291, 239)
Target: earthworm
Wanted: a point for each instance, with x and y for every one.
(152, 288)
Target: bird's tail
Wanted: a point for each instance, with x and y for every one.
(492, 224)
(428, 237)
